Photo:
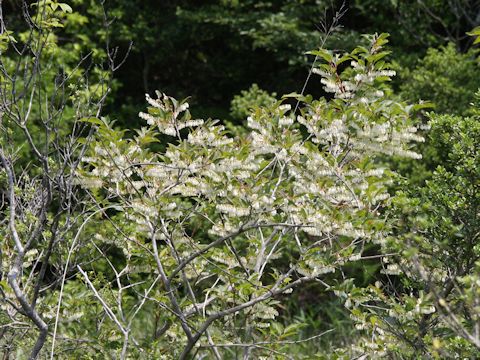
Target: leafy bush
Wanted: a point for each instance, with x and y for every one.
(248, 100)
(445, 77)
(427, 303)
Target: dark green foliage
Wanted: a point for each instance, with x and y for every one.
(416, 25)
(214, 49)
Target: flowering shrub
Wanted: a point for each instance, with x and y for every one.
(215, 228)
(428, 302)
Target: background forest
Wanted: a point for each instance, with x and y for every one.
(226, 179)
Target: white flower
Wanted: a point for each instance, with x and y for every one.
(285, 121)
(170, 131)
(149, 118)
(285, 107)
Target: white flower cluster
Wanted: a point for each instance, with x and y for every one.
(165, 114)
(209, 136)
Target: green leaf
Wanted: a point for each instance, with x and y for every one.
(65, 7)
(322, 53)
(475, 32)
(93, 120)
(299, 97)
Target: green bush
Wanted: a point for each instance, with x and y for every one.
(446, 77)
(242, 105)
